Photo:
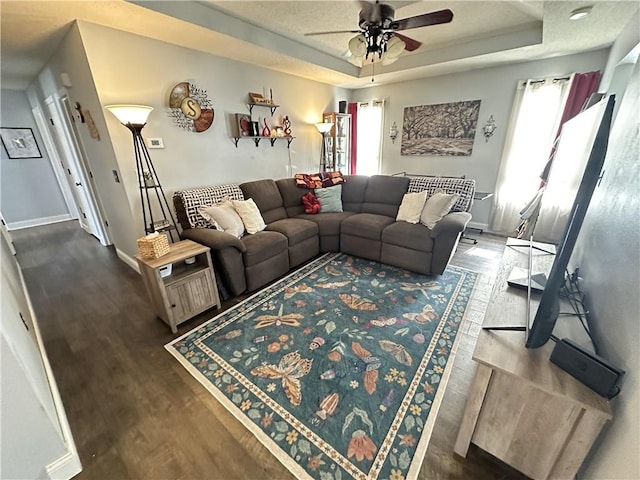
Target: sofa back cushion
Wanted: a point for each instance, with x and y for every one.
(186, 203)
(383, 195)
(466, 188)
(291, 196)
(267, 197)
(353, 190)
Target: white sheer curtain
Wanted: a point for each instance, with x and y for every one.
(576, 141)
(536, 113)
(370, 116)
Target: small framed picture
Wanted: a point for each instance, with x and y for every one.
(155, 143)
(161, 224)
(257, 98)
(244, 124)
(20, 143)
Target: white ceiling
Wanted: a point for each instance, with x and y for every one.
(271, 33)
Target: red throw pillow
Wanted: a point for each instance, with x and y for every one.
(311, 203)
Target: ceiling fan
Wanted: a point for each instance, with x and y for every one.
(378, 32)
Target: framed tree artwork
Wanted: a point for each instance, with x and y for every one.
(20, 143)
(445, 129)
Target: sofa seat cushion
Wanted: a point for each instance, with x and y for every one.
(262, 246)
(408, 235)
(328, 223)
(366, 225)
(295, 229)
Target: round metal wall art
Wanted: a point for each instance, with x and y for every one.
(190, 108)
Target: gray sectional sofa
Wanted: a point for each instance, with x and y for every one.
(366, 227)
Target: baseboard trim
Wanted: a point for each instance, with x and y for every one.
(36, 222)
(128, 260)
(66, 467)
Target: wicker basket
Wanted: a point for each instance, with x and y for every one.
(153, 245)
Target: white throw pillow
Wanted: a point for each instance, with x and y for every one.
(223, 217)
(411, 207)
(436, 207)
(251, 217)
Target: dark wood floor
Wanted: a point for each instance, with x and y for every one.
(136, 413)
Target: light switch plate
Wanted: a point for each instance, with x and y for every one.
(155, 143)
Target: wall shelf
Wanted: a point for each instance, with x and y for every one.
(267, 105)
(256, 140)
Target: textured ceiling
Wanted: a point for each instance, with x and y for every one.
(271, 33)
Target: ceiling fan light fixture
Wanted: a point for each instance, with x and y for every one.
(579, 13)
(387, 60)
(395, 47)
(358, 45)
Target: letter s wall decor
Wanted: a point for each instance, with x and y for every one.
(190, 108)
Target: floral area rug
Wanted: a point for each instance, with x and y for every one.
(338, 368)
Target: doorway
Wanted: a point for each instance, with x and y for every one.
(77, 173)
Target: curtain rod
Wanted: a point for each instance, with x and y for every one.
(559, 79)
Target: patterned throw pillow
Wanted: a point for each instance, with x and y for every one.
(318, 180)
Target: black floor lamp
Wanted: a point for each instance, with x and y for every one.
(134, 117)
(325, 164)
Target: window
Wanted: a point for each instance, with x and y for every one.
(535, 118)
(369, 136)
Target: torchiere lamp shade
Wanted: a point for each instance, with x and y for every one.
(324, 127)
(130, 114)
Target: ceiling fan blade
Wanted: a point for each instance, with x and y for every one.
(331, 32)
(424, 20)
(410, 43)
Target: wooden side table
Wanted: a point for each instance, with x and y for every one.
(188, 290)
(523, 409)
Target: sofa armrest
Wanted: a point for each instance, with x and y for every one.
(451, 224)
(214, 239)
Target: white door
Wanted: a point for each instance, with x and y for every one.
(76, 176)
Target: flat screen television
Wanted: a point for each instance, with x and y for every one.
(583, 145)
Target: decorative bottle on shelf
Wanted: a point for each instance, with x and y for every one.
(266, 132)
(287, 126)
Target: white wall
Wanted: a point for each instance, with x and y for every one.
(29, 192)
(36, 440)
(495, 87)
(608, 254)
(70, 58)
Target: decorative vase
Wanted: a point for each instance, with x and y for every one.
(287, 126)
(266, 132)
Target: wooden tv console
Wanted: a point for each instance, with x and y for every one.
(521, 408)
